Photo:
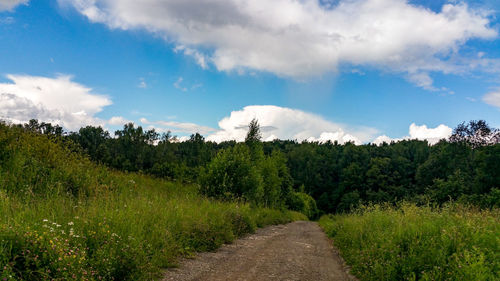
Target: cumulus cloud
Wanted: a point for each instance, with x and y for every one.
(177, 127)
(303, 38)
(57, 100)
(11, 4)
(492, 98)
(286, 123)
(431, 135)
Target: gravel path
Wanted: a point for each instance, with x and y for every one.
(296, 251)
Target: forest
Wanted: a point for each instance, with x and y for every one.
(339, 177)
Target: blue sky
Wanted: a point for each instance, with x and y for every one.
(341, 70)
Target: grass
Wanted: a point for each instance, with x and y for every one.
(418, 243)
(64, 218)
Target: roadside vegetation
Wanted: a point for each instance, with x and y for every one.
(407, 242)
(62, 217)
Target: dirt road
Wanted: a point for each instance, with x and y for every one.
(296, 251)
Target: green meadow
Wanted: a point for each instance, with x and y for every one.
(408, 242)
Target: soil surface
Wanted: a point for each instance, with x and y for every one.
(296, 251)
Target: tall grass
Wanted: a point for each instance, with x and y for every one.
(418, 243)
(65, 218)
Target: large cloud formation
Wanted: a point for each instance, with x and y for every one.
(57, 100)
(303, 38)
(286, 123)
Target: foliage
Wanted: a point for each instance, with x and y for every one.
(231, 174)
(303, 203)
(63, 217)
(253, 134)
(244, 172)
(476, 134)
(338, 177)
(408, 242)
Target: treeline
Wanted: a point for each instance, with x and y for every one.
(466, 167)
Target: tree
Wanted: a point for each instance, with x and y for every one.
(92, 140)
(43, 128)
(475, 133)
(253, 134)
(231, 174)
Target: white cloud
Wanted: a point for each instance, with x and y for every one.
(11, 4)
(431, 135)
(492, 98)
(287, 123)
(57, 100)
(177, 127)
(118, 121)
(304, 38)
(200, 59)
(423, 80)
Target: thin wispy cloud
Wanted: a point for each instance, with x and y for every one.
(142, 83)
(177, 127)
(178, 84)
(7, 20)
(493, 99)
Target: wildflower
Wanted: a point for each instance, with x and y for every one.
(70, 223)
(45, 220)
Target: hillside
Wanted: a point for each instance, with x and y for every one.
(63, 217)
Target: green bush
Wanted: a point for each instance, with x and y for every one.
(231, 174)
(303, 203)
(418, 243)
(244, 172)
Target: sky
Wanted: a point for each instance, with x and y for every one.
(340, 70)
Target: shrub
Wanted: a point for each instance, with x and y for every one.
(303, 203)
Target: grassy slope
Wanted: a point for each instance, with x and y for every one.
(63, 217)
(419, 243)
